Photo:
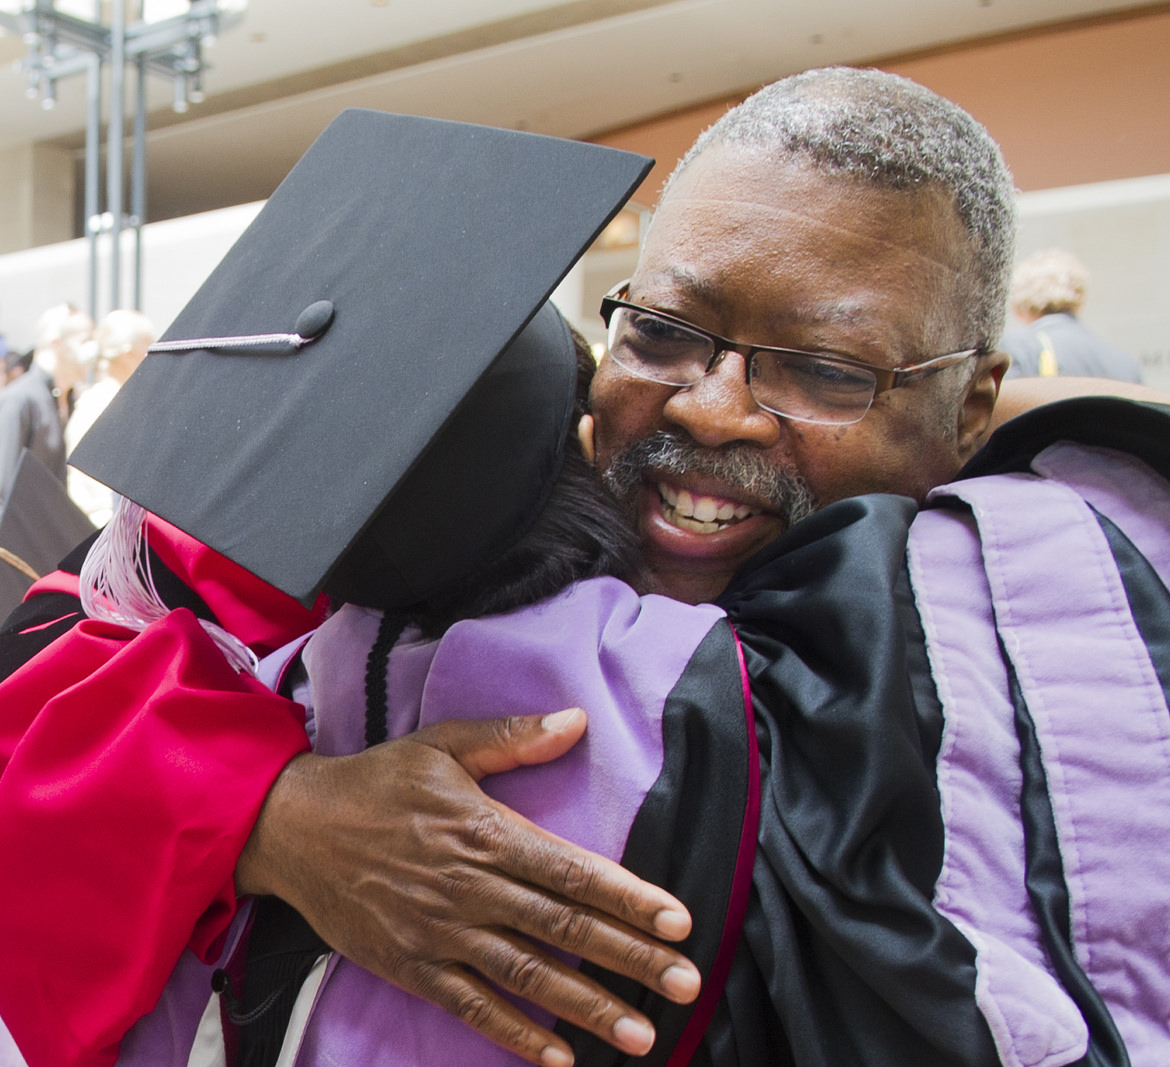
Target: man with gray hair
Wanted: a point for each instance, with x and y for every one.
(848, 215)
(813, 318)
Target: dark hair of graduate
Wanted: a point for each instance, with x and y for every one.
(581, 533)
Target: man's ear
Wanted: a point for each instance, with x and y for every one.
(585, 436)
(975, 422)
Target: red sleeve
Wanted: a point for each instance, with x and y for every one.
(132, 769)
(257, 613)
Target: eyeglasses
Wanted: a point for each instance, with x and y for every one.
(805, 386)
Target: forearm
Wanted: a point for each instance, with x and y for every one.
(1018, 395)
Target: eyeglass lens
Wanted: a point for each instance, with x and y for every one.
(793, 384)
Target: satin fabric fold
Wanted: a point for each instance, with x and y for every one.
(132, 768)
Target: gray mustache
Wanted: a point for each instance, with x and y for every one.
(739, 466)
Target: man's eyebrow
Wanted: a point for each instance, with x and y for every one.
(688, 282)
(684, 281)
(837, 312)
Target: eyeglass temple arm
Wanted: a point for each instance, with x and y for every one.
(891, 379)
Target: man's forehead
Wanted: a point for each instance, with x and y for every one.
(741, 243)
(739, 193)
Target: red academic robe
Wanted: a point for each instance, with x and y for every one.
(108, 736)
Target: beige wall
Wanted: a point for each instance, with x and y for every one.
(1080, 103)
(1083, 103)
(666, 140)
(37, 207)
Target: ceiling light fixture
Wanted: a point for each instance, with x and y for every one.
(69, 37)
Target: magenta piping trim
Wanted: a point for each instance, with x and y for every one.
(741, 884)
(52, 622)
(293, 658)
(55, 582)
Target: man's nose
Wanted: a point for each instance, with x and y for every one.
(719, 408)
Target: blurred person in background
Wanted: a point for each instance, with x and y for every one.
(1048, 289)
(32, 408)
(63, 332)
(15, 364)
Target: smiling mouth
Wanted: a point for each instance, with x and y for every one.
(700, 514)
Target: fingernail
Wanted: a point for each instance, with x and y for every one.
(551, 1056)
(673, 925)
(633, 1035)
(560, 721)
(680, 983)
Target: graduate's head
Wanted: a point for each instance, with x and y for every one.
(813, 316)
(371, 394)
(579, 532)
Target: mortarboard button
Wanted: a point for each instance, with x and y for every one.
(310, 324)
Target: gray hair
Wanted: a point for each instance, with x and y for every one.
(891, 132)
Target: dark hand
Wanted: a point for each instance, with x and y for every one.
(401, 862)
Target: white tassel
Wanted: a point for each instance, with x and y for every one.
(117, 586)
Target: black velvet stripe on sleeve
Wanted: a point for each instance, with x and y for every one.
(1149, 600)
(686, 835)
(33, 625)
(1142, 430)
(860, 968)
(37, 622)
(1044, 878)
(40, 620)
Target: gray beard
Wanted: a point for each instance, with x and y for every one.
(738, 466)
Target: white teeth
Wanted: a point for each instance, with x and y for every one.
(705, 509)
(685, 523)
(700, 514)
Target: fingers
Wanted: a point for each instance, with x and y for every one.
(522, 851)
(585, 878)
(577, 930)
(469, 998)
(540, 979)
(516, 965)
(519, 877)
(401, 863)
(491, 746)
(614, 946)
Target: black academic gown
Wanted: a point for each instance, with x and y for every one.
(842, 959)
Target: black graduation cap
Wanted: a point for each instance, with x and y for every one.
(39, 526)
(389, 299)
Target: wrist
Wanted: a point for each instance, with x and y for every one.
(263, 866)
